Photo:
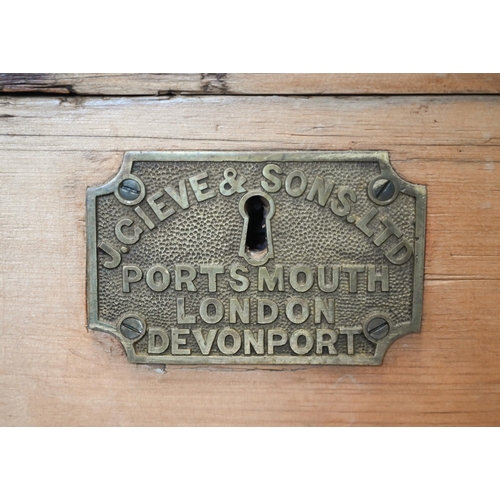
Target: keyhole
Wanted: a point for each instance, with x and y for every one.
(257, 209)
(256, 246)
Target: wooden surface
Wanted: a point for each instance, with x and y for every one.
(55, 372)
(249, 84)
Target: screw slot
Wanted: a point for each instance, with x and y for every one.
(378, 328)
(129, 189)
(132, 327)
(383, 191)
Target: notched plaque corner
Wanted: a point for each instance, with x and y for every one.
(256, 258)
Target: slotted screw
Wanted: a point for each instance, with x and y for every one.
(132, 327)
(378, 328)
(383, 189)
(129, 189)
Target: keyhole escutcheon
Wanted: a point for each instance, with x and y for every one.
(257, 209)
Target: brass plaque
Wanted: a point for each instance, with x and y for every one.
(256, 258)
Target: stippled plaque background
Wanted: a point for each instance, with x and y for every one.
(281, 258)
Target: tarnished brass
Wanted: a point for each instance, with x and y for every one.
(256, 258)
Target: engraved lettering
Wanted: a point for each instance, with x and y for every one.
(250, 341)
(244, 282)
(157, 207)
(177, 342)
(212, 271)
(353, 276)
(161, 284)
(350, 332)
(326, 308)
(264, 305)
(321, 188)
(322, 341)
(307, 344)
(201, 189)
(131, 274)
(275, 338)
(116, 257)
(240, 308)
(334, 284)
(277, 277)
(374, 277)
(232, 183)
(222, 341)
(365, 220)
(390, 228)
(301, 285)
(297, 310)
(128, 240)
(181, 198)
(275, 184)
(205, 343)
(342, 206)
(181, 278)
(182, 317)
(398, 258)
(158, 340)
(215, 305)
(297, 190)
(145, 217)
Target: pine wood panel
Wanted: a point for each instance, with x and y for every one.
(55, 372)
(249, 84)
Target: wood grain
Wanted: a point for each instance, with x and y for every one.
(141, 84)
(55, 372)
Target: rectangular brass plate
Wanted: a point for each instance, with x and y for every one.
(256, 258)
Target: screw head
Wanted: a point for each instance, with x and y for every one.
(129, 189)
(383, 189)
(132, 327)
(377, 328)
